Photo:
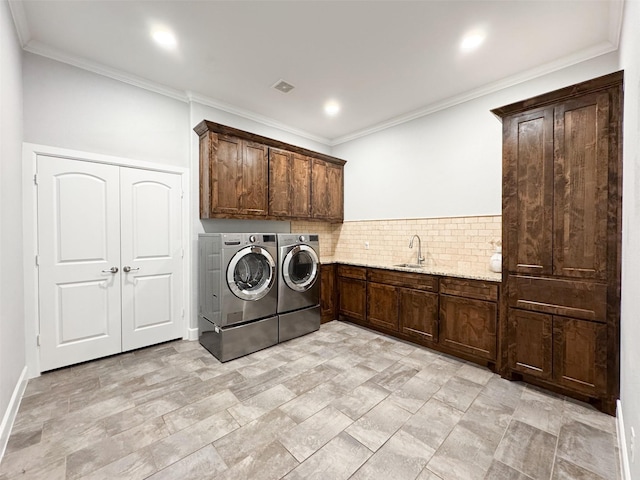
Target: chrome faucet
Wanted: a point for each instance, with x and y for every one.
(420, 257)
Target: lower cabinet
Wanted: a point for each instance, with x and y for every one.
(352, 292)
(567, 351)
(328, 293)
(418, 314)
(382, 305)
(469, 326)
(456, 316)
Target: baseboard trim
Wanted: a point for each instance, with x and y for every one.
(12, 411)
(622, 443)
(192, 334)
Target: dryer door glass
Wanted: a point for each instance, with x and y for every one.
(300, 268)
(251, 273)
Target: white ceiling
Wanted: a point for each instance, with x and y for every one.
(384, 61)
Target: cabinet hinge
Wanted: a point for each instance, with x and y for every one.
(182, 194)
(37, 260)
(38, 340)
(183, 313)
(35, 179)
(182, 253)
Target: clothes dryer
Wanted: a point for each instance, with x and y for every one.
(237, 293)
(298, 285)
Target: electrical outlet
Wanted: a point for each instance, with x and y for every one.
(633, 445)
(366, 245)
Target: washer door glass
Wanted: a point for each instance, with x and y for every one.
(251, 273)
(300, 268)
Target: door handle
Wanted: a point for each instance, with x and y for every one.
(111, 270)
(127, 269)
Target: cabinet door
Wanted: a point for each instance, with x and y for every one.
(530, 343)
(382, 305)
(226, 175)
(352, 298)
(418, 314)
(254, 178)
(327, 293)
(581, 187)
(300, 186)
(580, 355)
(528, 191)
(468, 326)
(335, 192)
(319, 189)
(327, 190)
(279, 182)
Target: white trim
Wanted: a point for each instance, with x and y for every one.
(616, 14)
(192, 334)
(30, 152)
(622, 443)
(587, 54)
(20, 21)
(39, 48)
(225, 107)
(12, 411)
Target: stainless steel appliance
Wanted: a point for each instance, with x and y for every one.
(298, 284)
(237, 293)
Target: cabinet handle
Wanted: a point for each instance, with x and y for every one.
(128, 269)
(111, 270)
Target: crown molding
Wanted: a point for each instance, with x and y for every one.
(225, 107)
(616, 13)
(587, 54)
(43, 50)
(20, 21)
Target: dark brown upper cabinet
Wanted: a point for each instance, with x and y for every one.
(289, 184)
(243, 175)
(561, 221)
(237, 173)
(327, 191)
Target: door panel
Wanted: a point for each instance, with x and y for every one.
(580, 355)
(530, 343)
(581, 181)
(300, 186)
(254, 177)
(279, 182)
(418, 314)
(78, 242)
(226, 174)
(382, 305)
(152, 248)
(468, 325)
(529, 188)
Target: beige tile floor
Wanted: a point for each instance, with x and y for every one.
(341, 403)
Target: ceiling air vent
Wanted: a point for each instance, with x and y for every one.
(283, 86)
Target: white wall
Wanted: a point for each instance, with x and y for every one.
(12, 346)
(630, 329)
(445, 164)
(68, 107)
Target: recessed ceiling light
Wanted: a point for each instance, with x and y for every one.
(331, 108)
(472, 40)
(164, 38)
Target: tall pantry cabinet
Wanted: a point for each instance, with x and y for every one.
(562, 176)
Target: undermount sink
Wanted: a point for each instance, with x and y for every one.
(409, 265)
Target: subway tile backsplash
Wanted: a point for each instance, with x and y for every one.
(461, 244)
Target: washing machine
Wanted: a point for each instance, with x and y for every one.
(298, 285)
(237, 294)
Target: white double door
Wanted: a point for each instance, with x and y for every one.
(109, 259)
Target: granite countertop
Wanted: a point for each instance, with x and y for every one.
(429, 270)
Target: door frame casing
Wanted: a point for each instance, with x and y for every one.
(30, 153)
